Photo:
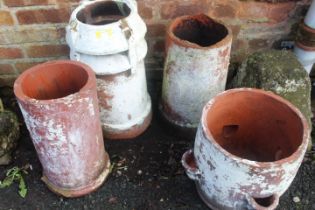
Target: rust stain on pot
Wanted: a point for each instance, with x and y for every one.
(224, 52)
(59, 104)
(104, 99)
(253, 152)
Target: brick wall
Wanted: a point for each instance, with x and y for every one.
(32, 31)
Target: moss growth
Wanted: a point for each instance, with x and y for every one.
(279, 72)
(9, 134)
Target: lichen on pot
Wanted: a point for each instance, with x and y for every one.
(9, 134)
(279, 72)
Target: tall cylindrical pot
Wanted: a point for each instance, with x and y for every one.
(196, 67)
(59, 104)
(109, 37)
(248, 149)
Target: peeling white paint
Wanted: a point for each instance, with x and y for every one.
(65, 139)
(130, 103)
(191, 78)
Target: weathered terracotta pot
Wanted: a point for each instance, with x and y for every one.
(109, 37)
(60, 108)
(248, 149)
(196, 66)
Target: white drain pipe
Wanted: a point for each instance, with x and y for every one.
(305, 45)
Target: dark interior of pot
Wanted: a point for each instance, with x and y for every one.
(255, 126)
(200, 30)
(265, 202)
(103, 12)
(54, 81)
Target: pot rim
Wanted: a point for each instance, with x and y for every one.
(187, 44)
(84, 5)
(304, 47)
(19, 93)
(307, 28)
(293, 156)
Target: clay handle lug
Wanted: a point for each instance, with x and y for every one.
(132, 54)
(190, 166)
(263, 203)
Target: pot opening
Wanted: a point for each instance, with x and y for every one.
(255, 126)
(54, 81)
(265, 202)
(103, 12)
(189, 159)
(200, 29)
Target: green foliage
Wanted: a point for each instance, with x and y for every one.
(15, 174)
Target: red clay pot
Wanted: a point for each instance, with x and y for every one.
(248, 148)
(60, 108)
(196, 66)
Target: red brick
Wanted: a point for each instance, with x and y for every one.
(6, 69)
(31, 34)
(224, 11)
(235, 30)
(239, 44)
(172, 9)
(9, 53)
(6, 18)
(20, 3)
(38, 51)
(265, 12)
(21, 67)
(144, 11)
(43, 16)
(156, 30)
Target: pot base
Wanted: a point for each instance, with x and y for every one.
(173, 127)
(72, 193)
(205, 199)
(130, 133)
